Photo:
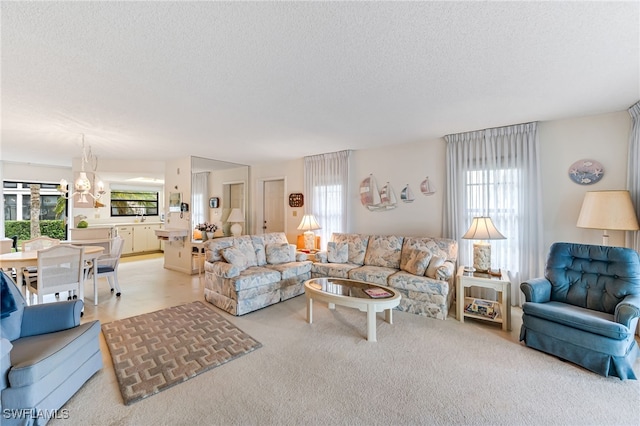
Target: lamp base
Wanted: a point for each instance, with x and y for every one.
(309, 240)
(482, 256)
(236, 229)
(469, 269)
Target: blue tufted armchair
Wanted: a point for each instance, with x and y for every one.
(586, 308)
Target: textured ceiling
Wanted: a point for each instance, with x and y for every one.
(251, 82)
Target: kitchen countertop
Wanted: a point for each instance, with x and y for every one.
(113, 225)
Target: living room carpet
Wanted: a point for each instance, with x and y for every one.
(157, 350)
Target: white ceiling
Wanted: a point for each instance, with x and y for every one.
(249, 82)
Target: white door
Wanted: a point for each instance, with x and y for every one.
(273, 206)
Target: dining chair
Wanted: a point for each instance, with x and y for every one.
(60, 268)
(107, 266)
(31, 273)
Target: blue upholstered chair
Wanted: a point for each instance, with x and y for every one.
(46, 355)
(586, 308)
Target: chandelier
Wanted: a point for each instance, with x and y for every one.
(82, 185)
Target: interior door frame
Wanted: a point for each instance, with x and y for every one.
(260, 203)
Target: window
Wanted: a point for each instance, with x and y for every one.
(134, 203)
(496, 191)
(47, 206)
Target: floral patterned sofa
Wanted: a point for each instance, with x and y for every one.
(422, 269)
(246, 273)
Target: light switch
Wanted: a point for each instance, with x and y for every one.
(295, 213)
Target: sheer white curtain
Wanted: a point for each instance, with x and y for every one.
(326, 187)
(633, 173)
(496, 173)
(199, 197)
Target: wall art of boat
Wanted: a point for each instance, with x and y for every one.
(374, 199)
(406, 195)
(427, 188)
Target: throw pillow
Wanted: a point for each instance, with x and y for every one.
(436, 262)
(6, 298)
(337, 252)
(234, 256)
(278, 253)
(415, 261)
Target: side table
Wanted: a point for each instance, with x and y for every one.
(500, 284)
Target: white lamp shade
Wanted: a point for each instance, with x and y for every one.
(235, 216)
(309, 223)
(482, 228)
(608, 210)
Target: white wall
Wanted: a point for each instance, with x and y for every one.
(604, 138)
(177, 254)
(293, 174)
(400, 165)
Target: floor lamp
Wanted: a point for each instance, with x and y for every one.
(609, 211)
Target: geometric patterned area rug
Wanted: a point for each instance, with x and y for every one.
(154, 351)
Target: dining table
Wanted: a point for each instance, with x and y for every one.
(23, 259)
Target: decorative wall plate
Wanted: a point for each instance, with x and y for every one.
(586, 172)
(296, 200)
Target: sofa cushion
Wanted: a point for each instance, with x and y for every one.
(34, 357)
(291, 269)
(434, 264)
(336, 270)
(236, 257)
(245, 244)
(278, 253)
(384, 251)
(337, 252)
(410, 282)
(443, 247)
(255, 276)
(372, 274)
(260, 241)
(214, 247)
(580, 318)
(415, 261)
(357, 246)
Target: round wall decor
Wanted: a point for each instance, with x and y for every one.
(586, 172)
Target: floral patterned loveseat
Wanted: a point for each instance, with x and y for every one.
(422, 269)
(246, 273)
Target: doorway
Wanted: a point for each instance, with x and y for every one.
(273, 206)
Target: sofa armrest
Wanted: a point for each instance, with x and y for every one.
(5, 361)
(537, 290)
(445, 271)
(50, 317)
(322, 257)
(224, 269)
(628, 311)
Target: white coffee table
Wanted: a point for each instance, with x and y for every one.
(350, 293)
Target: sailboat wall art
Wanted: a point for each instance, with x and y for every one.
(374, 199)
(406, 195)
(427, 188)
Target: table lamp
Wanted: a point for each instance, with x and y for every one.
(236, 217)
(607, 210)
(309, 224)
(482, 229)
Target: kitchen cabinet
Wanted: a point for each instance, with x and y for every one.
(92, 233)
(126, 233)
(140, 238)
